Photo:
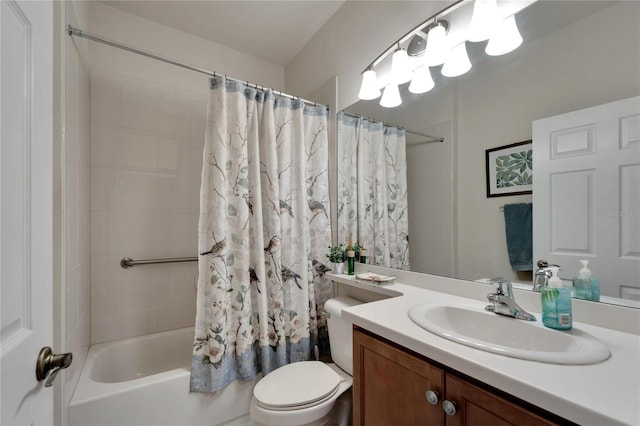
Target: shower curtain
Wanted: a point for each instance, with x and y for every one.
(263, 233)
(372, 189)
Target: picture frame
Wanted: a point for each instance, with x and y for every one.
(509, 169)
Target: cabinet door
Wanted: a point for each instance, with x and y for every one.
(477, 406)
(389, 386)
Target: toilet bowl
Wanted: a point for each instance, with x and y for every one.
(311, 393)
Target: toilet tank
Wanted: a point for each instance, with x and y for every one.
(340, 332)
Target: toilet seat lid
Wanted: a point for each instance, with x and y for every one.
(297, 384)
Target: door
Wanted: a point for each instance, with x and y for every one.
(586, 194)
(477, 406)
(392, 387)
(26, 191)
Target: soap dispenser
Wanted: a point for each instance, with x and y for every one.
(556, 303)
(586, 286)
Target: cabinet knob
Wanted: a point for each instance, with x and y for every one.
(432, 397)
(449, 407)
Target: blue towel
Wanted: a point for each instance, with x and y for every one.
(519, 226)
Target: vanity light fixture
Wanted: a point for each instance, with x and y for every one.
(421, 81)
(433, 43)
(484, 20)
(391, 96)
(457, 62)
(437, 44)
(369, 88)
(506, 38)
(400, 67)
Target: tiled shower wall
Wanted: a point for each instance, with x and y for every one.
(146, 157)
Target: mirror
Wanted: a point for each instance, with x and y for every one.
(575, 55)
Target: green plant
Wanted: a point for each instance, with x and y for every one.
(337, 254)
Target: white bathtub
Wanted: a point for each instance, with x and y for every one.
(145, 381)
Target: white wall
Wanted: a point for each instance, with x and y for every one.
(147, 135)
(129, 29)
(75, 309)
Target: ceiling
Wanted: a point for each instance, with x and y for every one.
(272, 30)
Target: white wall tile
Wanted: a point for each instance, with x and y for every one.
(105, 189)
(106, 319)
(138, 191)
(158, 89)
(194, 194)
(106, 142)
(174, 155)
(171, 193)
(106, 102)
(138, 322)
(173, 117)
(120, 80)
(196, 160)
(140, 235)
(142, 279)
(72, 308)
(139, 149)
(105, 233)
(140, 314)
(106, 277)
(177, 298)
(197, 120)
(145, 185)
(140, 109)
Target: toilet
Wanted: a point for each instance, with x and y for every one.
(311, 393)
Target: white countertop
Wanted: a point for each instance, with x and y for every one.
(607, 393)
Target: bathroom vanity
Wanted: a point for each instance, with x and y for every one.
(392, 385)
(403, 374)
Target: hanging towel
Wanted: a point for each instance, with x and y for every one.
(519, 227)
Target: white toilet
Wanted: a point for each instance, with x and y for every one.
(311, 393)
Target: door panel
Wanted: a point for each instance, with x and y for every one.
(25, 208)
(586, 194)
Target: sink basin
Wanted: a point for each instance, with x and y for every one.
(473, 326)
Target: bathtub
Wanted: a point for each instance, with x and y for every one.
(145, 381)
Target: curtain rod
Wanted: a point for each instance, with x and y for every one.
(424, 135)
(72, 31)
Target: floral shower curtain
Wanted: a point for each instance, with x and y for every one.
(263, 233)
(372, 189)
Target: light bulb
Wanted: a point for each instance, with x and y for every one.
(369, 87)
(457, 62)
(391, 96)
(483, 21)
(505, 39)
(437, 46)
(421, 81)
(400, 67)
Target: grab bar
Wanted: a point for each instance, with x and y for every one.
(128, 262)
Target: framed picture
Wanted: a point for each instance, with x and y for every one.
(510, 169)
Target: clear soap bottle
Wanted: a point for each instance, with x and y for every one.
(556, 303)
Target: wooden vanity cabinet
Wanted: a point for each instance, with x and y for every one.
(390, 386)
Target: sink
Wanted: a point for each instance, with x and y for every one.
(473, 326)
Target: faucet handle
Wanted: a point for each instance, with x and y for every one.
(503, 287)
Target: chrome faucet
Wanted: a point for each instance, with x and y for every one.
(503, 302)
(542, 275)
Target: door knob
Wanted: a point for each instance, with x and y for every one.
(49, 365)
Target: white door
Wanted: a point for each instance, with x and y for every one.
(26, 188)
(586, 194)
